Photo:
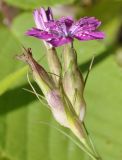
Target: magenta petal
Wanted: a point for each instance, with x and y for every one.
(85, 24)
(97, 35)
(51, 25)
(60, 27)
(60, 41)
(67, 20)
(40, 34)
(57, 27)
(38, 19)
(41, 16)
(89, 22)
(89, 36)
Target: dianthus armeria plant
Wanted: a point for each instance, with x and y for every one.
(63, 89)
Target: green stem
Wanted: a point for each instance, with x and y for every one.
(91, 143)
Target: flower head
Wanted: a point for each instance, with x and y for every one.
(64, 30)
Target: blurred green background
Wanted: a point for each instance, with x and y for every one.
(22, 135)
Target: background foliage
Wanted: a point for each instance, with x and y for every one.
(22, 135)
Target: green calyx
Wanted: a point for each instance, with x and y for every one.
(73, 82)
(54, 64)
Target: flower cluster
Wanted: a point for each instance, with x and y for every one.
(64, 89)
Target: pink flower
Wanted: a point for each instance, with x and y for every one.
(64, 30)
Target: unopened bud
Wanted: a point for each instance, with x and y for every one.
(48, 87)
(39, 74)
(73, 81)
(55, 101)
(54, 64)
(59, 102)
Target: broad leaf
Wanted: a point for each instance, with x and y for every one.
(31, 4)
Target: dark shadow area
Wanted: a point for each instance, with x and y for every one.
(110, 50)
(16, 98)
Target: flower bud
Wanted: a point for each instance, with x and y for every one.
(56, 103)
(57, 98)
(54, 64)
(48, 87)
(73, 81)
(42, 78)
